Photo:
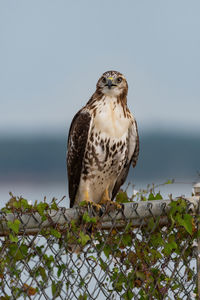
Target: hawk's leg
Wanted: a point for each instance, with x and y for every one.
(106, 200)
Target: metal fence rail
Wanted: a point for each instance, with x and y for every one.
(142, 250)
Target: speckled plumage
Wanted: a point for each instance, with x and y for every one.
(103, 142)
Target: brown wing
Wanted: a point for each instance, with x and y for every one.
(137, 148)
(77, 141)
(132, 157)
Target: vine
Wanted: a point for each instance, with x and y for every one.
(142, 261)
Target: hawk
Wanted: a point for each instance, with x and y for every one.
(102, 144)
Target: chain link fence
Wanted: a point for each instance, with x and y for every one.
(136, 250)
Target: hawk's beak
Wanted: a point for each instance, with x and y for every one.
(109, 83)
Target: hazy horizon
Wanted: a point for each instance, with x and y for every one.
(162, 155)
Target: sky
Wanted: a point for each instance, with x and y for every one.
(53, 52)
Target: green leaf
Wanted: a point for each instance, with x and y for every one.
(154, 197)
(15, 252)
(128, 295)
(151, 196)
(83, 203)
(24, 203)
(56, 288)
(175, 286)
(83, 238)
(73, 226)
(140, 275)
(170, 181)
(126, 239)
(42, 273)
(156, 254)
(143, 198)
(177, 206)
(93, 220)
(54, 205)
(53, 288)
(5, 210)
(13, 238)
(60, 269)
(83, 297)
(48, 260)
(55, 233)
(156, 240)
(107, 250)
(158, 196)
(41, 207)
(169, 247)
(122, 197)
(186, 222)
(14, 226)
(103, 264)
(92, 257)
(24, 250)
(88, 219)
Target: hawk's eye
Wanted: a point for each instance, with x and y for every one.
(119, 79)
(103, 80)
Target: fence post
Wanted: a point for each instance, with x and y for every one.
(196, 188)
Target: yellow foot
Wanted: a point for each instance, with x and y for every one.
(93, 204)
(106, 200)
(89, 202)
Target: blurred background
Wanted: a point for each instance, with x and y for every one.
(51, 56)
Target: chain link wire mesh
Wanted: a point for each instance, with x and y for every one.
(135, 251)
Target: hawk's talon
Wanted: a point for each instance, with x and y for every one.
(108, 202)
(92, 204)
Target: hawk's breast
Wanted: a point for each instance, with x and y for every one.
(107, 149)
(110, 118)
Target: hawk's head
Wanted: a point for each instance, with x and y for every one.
(112, 83)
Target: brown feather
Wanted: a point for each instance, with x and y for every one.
(137, 149)
(122, 177)
(77, 140)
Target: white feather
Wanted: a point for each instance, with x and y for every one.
(110, 119)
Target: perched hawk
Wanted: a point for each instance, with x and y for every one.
(103, 142)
